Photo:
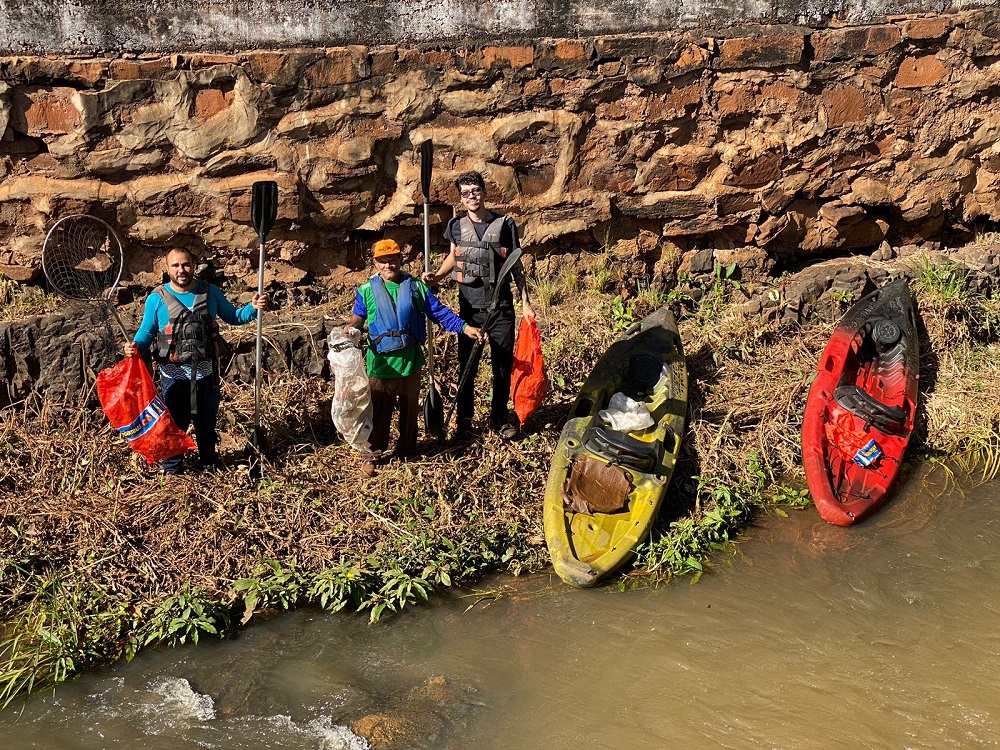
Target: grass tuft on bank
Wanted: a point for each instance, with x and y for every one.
(102, 558)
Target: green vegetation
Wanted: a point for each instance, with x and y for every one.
(99, 557)
(18, 301)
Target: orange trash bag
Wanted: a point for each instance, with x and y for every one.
(527, 381)
(129, 399)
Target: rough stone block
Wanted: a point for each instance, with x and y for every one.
(278, 68)
(926, 28)
(752, 172)
(135, 70)
(675, 104)
(920, 72)
(512, 57)
(738, 101)
(208, 102)
(340, 66)
(845, 105)
(44, 110)
(852, 42)
(382, 61)
(765, 51)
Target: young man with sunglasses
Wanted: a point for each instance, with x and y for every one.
(480, 241)
(393, 305)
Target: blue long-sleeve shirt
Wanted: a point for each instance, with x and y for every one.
(156, 317)
(409, 360)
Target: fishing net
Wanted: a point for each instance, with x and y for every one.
(82, 260)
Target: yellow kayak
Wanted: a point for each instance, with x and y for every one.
(606, 484)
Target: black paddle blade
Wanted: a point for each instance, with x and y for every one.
(254, 451)
(263, 206)
(426, 165)
(434, 413)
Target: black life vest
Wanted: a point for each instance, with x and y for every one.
(475, 256)
(191, 335)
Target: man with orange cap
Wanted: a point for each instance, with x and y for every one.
(393, 304)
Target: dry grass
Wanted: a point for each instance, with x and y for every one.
(83, 516)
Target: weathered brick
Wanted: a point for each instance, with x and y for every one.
(208, 102)
(382, 61)
(43, 110)
(754, 172)
(135, 70)
(692, 56)
(926, 28)
(535, 87)
(87, 71)
(675, 103)
(341, 65)
(855, 41)
(627, 107)
(571, 50)
(278, 68)
(610, 68)
(736, 102)
(770, 51)
(514, 57)
(845, 105)
(920, 72)
(645, 45)
(204, 60)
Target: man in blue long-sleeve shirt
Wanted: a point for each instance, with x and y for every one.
(179, 318)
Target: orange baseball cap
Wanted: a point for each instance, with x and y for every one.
(384, 248)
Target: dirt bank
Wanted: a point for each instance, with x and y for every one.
(101, 557)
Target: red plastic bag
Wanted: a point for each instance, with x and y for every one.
(527, 381)
(129, 399)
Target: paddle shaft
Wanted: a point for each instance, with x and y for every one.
(505, 271)
(427, 268)
(260, 329)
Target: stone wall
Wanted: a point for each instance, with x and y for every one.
(745, 143)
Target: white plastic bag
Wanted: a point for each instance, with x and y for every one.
(352, 399)
(625, 414)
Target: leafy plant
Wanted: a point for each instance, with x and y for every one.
(270, 585)
(183, 617)
(621, 316)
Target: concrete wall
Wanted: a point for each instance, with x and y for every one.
(104, 26)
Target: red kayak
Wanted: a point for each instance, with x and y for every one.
(859, 414)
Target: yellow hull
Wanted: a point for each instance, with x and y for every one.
(588, 546)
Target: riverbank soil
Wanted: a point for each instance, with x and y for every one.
(101, 556)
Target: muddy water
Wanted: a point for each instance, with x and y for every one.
(810, 636)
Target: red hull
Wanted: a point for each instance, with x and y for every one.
(844, 491)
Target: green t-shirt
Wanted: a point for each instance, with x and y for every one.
(400, 363)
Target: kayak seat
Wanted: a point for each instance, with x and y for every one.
(888, 419)
(643, 374)
(621, 448)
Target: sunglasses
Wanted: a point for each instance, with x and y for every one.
(469, 192)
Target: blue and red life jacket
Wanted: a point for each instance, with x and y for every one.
(397, 325)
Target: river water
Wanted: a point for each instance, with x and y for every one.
(806, 636)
